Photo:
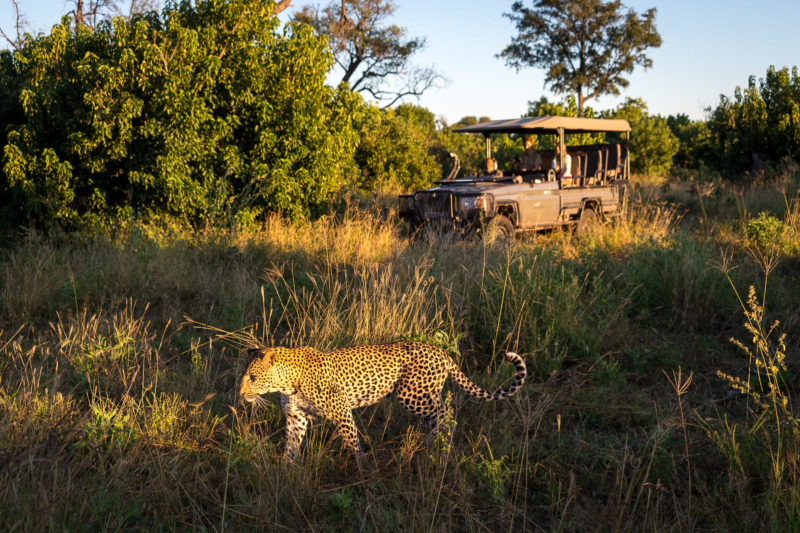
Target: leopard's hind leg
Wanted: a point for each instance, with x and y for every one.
(424, 397)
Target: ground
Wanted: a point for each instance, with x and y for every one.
(118, 381)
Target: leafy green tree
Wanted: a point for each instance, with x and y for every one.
(469, 120)
(761, 121)
(207, 112)
(652, 143)
(694, 141)
(587, 47)
(394, 148)
(469, 148)
(373, 57)
(419, 116)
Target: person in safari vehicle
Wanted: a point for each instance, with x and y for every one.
(529, 160)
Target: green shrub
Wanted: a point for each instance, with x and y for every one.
(757, 123)
(393, 148)
(767, 232)
(203, 113)
(652, 143)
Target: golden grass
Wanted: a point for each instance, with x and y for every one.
(116, 412)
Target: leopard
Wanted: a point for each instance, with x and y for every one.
(315, 384)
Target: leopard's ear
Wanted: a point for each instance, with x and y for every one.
(266, 355)
(269, 356)
(256, 353)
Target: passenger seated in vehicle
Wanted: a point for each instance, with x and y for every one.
(562, 164)
(491, 168)
(529, 160)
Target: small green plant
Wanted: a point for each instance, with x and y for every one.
(109, 426)
(440, 339)
(163, 415)
(494, 472)
(443, 441)
(343, 508)
(769, 233)
(118, 348)
(607, 373)
(197, 359)
(766, 365)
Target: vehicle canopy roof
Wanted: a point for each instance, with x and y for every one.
(547, 124)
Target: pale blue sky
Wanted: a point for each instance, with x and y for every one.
(709, 47)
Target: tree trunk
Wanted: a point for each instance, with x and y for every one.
(79, 13)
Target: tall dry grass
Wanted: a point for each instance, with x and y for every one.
(118, 409)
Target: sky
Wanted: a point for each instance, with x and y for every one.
(709, 47)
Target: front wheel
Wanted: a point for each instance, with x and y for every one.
(500, 229)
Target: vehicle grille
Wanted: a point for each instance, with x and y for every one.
(434, 204)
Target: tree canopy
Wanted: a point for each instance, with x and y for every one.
(374, 57)
(760, 121)
(587, 47)
(652, 143)
(206, 113)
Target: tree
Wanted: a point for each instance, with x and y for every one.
(373, 56)
(761, 121)
(92, 12)
(652, 142)
(694, 141)
(394, 147)
(207, 113)
(586, 46)
(470, 147)
(569, 108)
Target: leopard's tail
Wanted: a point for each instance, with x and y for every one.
(477, 392)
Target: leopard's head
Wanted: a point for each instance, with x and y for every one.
(263, 374)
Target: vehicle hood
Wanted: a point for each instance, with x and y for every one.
(468, 187)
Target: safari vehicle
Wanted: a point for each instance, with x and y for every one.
(507, 201)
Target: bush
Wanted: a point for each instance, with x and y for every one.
(394, 147)
(768, 233)
(756, 124)
(204, 113)
(694, 148)
(652, 143)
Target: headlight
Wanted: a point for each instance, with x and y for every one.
(469, 203)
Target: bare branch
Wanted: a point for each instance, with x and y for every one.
(19, 27)
(374, 56)
(142, 6)
(282, 5)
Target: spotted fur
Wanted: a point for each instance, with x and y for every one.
(330, 385)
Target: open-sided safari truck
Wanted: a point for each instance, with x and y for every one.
(506, 201)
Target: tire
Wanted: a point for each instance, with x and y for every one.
(587, 220)
(500, 229)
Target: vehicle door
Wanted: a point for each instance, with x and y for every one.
(539, 205)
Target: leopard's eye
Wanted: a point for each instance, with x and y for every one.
(252, 378)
